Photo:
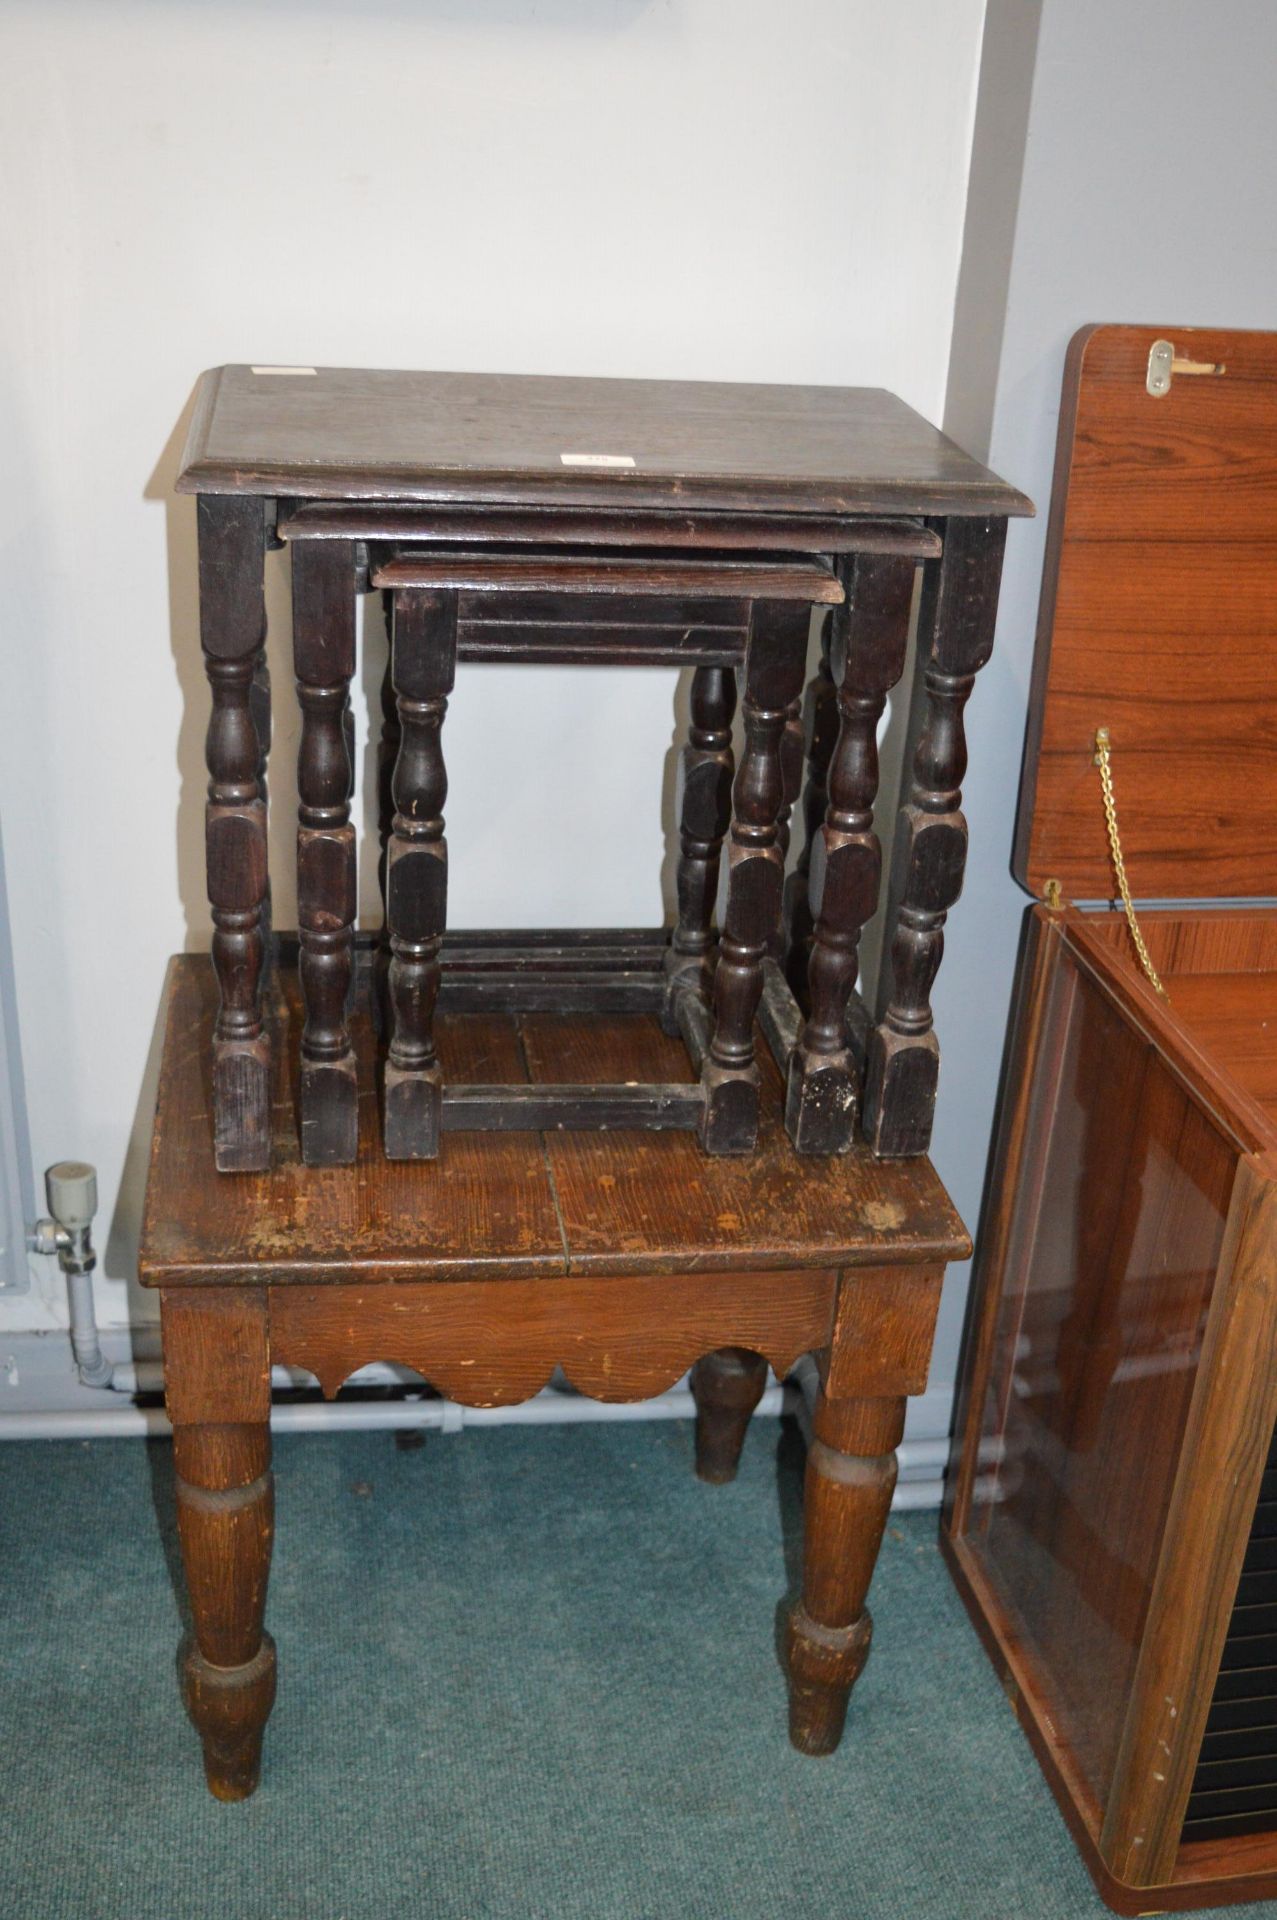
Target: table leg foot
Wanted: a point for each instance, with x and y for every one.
(225, 1514)
(851, 1475)
(727, 1384)
(230, 1707)
(824, 1664)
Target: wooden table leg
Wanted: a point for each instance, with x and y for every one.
(955, 638)
(705, 809)
(820, 733)
(870, 634)
(775, 662)
(879, 1352)
(387, 755)
(423, 668)
(232, 552)
(851, 1473)
(217, 1388)
(727, 1385)
(324, 659)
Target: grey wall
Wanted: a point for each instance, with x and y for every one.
(1146, 174)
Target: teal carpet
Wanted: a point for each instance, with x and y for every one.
(523, 1672)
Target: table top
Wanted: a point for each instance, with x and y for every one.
(339, 433)
(507, 1206)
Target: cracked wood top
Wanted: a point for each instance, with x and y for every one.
(340, 433)
(507, 1205)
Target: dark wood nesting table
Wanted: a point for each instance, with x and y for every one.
(485, 1155)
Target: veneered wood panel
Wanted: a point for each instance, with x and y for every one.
(1159, 622)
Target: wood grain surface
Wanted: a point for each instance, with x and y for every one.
(1159, 622)
(346, 433)
(507, 1205)
(616, 1339)
(591, 527)
(623, 574)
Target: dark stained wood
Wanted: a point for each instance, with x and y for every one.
(955, 638)
(577, 527)
(541, 1109)
(601, 629)
(727, 1385)
(324, 661)
(821, 721)
(232, 540)
(423, 667)
(459, 486)
(498, 1204)
(343, 433)
(1158, 621)
(774, 666)
(868, 644)
(704, 814)
(620, 574)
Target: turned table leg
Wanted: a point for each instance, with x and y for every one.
(217, 1388)
(775, 662)
(423, 667)
(879, 1352)
(955, 637)
(870, 633)
(324, 659)
(851, 1474)
(727, 1385)
(705, 804)
(820, 732)
(232, 549)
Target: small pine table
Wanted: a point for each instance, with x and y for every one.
(625, 1257)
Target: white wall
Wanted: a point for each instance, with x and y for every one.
(698, 188)
(1148, 181)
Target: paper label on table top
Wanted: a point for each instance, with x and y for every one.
(597, 459)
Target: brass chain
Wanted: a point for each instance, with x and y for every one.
(1103, 760)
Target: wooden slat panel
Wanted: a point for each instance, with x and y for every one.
(1159, 621)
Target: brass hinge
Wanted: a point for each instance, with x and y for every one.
(1053, 896)
(1164, 362)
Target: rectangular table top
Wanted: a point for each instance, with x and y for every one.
(507, 1205)
(339, 433)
